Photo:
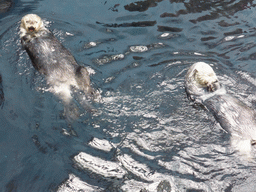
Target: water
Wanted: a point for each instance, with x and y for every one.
(147, 135)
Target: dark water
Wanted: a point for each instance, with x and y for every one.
(147, 135)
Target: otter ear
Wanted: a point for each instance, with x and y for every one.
(194, 73)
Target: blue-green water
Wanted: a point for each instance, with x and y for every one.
(147, 135)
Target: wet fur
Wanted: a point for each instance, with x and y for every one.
(234, 116)
(52, 59)
(200, 79)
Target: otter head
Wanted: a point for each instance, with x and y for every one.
(200, 79)
(31, 23)
(205, 77)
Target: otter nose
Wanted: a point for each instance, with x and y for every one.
(31, 29)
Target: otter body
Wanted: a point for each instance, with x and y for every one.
(48, 54)
(234, 116)
(52, 59)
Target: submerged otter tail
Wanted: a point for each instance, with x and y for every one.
(77, 106)
(71, 111)
(84, 101)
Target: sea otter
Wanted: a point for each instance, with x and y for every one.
(52, 59)
(234, 116)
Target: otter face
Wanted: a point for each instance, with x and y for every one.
(205, 77)
(200, 78)
(31, 23)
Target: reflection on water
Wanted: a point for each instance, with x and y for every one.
(146, 136)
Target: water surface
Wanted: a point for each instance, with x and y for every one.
(147, 135)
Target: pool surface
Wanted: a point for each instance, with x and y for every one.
(146, 135)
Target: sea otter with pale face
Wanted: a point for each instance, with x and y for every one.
(52, 59)
(235, 117)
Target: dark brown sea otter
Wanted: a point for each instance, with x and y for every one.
(52, 59)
